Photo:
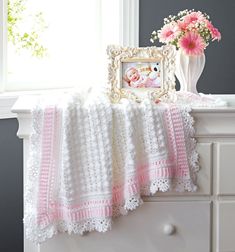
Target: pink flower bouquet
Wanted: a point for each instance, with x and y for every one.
(190, 31)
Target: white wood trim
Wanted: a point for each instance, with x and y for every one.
(8, 99)
(211, 124)
(209, 121)
(129, 27)
(3, 43)
(6, 104)
(24, 104)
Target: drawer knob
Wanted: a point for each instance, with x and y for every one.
(169, 229)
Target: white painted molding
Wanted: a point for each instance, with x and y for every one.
(3, 42)
(129, 28)
(6, 104)
(24, 129)
(22, 100)
(208, 121)
(214, 122)
(22, 108)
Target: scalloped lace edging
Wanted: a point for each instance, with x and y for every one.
(199, 100)
(39, 235)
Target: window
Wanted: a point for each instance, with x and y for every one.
(71, 38)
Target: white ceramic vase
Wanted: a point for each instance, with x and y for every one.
(188, 70)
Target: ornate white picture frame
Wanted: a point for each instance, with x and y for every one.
(135, 73)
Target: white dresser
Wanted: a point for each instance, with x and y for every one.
(181, 222)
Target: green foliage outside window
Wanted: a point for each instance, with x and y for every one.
(30, 38)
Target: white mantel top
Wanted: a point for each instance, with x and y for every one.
(25, 102)
(203, 115)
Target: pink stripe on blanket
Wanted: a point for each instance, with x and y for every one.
(175, 132)
(46, 162)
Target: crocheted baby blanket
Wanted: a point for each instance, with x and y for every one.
(91, 161)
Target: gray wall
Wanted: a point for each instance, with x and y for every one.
(11, 184)
(218, 76)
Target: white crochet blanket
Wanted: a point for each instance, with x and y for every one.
(91, 161)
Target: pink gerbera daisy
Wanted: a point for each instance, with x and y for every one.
(182, 25)
(214, 31)
(194, 17)
(216, 34)
(192, 43)
(168, 33)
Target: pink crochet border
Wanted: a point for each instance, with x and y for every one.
(46, 161)
(47, 165)
(175, 131)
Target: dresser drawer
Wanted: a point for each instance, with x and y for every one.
(147, 229)
(226, 226)
(204, 178)
(226, 168)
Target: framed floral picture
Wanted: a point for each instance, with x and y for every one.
(135, 73)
